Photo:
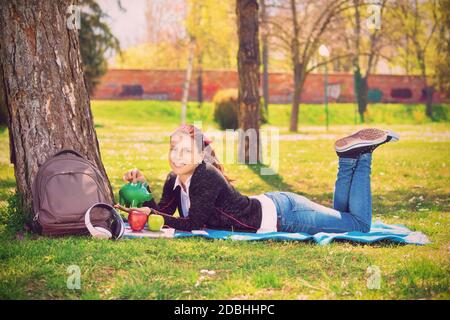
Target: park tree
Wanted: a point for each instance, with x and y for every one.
(368, 40)
(170, 25)
(248, 70)
(441, 63)
(211, 24)
(170, 56)
(265, 52)
(3, 110)
(187, 80)
(415, 38)
(165, 21)
(165, 46)
(96, 39)
(299, 28)
(44, 88)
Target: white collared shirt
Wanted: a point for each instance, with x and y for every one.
(184, 195)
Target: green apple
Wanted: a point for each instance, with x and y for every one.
(155, 222)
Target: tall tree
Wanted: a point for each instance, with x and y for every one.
(367, 46)
(96, 39)
(210, 22)
(442, 42)
(265, 53)
(418, 22)
(165, 21)
(3, 110)
(248, 69)
(44, 88)
(187, 82)
(299, 27)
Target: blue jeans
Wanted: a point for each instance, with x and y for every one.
(352, 203)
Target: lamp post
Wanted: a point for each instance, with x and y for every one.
(325, 53)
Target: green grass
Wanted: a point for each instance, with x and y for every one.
(145, 112)
(410, 183)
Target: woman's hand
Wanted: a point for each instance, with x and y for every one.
(146, 210)
(134, 176)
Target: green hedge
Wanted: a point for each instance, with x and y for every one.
(226, 108)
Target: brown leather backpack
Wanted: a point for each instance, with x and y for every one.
(65, 187)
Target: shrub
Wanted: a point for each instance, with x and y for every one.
(226, 109)
(368, 116)
(418, 116)
(441, 112)
(12, 216)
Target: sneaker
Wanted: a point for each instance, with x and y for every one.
(363, 141)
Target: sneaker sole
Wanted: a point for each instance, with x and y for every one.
(362, 138)
(394, 136)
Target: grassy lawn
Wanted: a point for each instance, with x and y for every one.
(410, 183)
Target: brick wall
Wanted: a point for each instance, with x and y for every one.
(168, 84)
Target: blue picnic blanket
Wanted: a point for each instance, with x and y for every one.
(378, 232)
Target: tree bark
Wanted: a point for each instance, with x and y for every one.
(3, 109)
(200, 80)
(360, 84)
(363, 98)
(248, 69)
(45, 90)
(265, 55)
(187, 81)
(298, 86)
(298, 68)
(428, 89)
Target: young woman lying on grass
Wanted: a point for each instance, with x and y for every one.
(205, 198)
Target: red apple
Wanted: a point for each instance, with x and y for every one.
(137, 220)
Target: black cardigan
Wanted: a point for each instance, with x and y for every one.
(215, 203)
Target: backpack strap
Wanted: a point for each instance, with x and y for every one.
(68, 151)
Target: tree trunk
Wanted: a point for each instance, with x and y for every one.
(248, 69)
(359, 83)
(3, 109)
(362, 98)
(200, 80)
(298, 68)
(45, 89)
(429, 90)
(420, 53)
(265, 55)
(187, 81)
(298, 85)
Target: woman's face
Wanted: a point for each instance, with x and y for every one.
(184, 155)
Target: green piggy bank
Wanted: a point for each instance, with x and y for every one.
(133, 195)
